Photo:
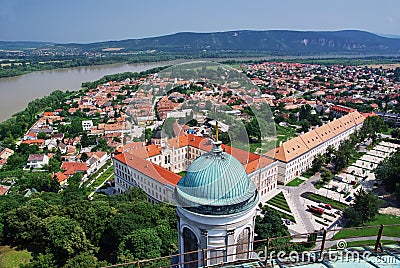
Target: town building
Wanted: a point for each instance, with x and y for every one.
(172, 156)
(87, 125)
(296, 155)
(37, 160)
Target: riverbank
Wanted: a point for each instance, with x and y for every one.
(17, 92)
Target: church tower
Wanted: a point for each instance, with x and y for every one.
(216, 206)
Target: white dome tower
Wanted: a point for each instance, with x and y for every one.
(216, 206)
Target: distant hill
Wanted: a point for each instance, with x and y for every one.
(23, 45)
(273, 42)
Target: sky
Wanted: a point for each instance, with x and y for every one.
(85, 21)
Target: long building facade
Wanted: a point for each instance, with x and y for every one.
(297, 155)
(155, 167)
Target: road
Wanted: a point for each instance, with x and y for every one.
(293, 195)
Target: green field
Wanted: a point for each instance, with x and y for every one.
(11, 258)
(362, 243)
(308, 174)
(284, 133)
(279, 201)
(295, 182)
(371, 228)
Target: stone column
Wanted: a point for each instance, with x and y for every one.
(203, 244)
(230, 248)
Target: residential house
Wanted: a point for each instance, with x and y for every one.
(96, 160)
(70, 168)
(87, 125)
(37, 160)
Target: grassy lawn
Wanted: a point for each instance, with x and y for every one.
(369, 243)
(99, 180)
(374, 226)
(388, 132)
(323, 199)
(284, 133)
(308, 174)
(279, 201)
(10, 258)
(295, 182)
(286, 216)
(101, 169)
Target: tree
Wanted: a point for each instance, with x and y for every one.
(65, 238)
(305, 125)
(319, 160)
(168, 236)
(41, 135)
(396, 133)
(84, 157)
(253, 130)
(140, 244)
(270, 225)
(42, 261)
(326, 175)
(371, 126)
(364, 209)
(24, 225)
(84, 259)
(54, 165)
(388, 172)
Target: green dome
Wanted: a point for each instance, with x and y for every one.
(216, 183)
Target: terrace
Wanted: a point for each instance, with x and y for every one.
(374, 248)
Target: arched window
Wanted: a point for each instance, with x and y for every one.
(190, 244)
(242, 244)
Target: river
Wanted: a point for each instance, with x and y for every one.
(17, 92)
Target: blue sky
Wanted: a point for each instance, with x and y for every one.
(99, 20)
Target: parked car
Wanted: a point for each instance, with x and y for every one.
(349, 198)
(316, 210)
(328, 206)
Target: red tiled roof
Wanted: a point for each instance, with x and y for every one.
(36, 157)
(60, 176)
(154, 171)
(72, 167)
(39, 141)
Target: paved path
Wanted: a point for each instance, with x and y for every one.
(293, 196)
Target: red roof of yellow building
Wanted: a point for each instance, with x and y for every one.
(146, 167)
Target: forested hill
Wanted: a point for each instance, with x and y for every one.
(274, 42)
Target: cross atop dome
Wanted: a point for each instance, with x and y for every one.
(217, 149)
